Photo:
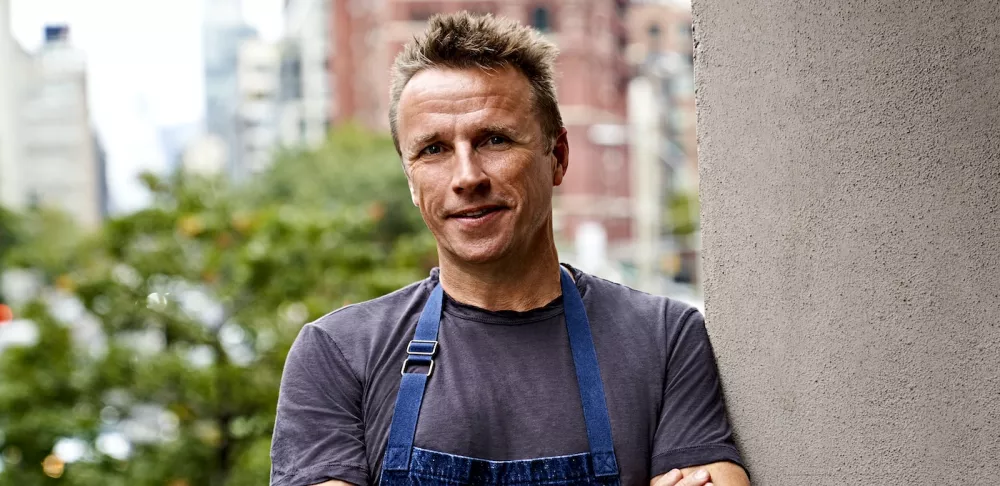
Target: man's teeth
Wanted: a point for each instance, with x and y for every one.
(476, 214)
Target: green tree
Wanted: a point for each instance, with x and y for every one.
(370, 166)
(196, 301)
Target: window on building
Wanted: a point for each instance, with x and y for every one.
(420, 15)
(685, 32)
(540, 19)
(621, 7)
(622, 84)
(683, 85)
(291, 78)
(481, 8)
(654, 31)
(265, 69)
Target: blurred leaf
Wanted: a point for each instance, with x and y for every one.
(681, 216)
(192, 305)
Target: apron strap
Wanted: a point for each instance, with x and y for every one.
(420, 351)
(588, 377)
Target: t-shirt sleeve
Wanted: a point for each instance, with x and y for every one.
(693, 428)
(318, 432)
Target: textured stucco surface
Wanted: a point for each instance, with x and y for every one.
(850, 181)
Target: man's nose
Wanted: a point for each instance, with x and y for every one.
(468, 176)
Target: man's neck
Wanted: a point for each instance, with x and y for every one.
(519, 285)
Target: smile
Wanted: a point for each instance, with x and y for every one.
(477, 213)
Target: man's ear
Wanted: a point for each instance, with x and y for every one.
(560, 152)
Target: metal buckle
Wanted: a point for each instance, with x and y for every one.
(411, 353)
(409, 347)
(430, 367)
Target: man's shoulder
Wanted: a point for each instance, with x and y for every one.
(627, 300)
(365, 320)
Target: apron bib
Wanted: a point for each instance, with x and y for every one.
(405, 465)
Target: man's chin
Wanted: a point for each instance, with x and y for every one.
(479, 255)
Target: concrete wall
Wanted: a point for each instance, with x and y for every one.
(850, 182)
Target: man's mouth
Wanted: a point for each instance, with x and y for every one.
(476, 213)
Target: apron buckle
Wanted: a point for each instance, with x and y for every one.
(420, 352)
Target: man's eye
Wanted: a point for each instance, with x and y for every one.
(432, 149)
(497, 139)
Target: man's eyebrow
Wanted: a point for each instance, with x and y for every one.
(419, 142)
(501, 129)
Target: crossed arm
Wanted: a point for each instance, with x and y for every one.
(717, 474)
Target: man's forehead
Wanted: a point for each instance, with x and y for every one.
(438, 99)
(441, 84)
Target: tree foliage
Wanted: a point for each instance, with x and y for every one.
(168, 327)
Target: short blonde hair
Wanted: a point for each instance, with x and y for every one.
(464, 40)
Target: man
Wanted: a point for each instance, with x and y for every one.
(515, 369)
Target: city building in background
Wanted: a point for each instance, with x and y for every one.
(304, 101)
(257, 76)
(61, 161)
(224, 32)
(103, 190)
(174, 140)
(49, 152)
(661, 50)
(664, 150)
(13, 60)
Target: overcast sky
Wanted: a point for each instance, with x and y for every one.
(144, 66)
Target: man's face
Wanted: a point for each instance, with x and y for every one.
(477, 163)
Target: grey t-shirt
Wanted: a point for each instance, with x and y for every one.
(503, 386)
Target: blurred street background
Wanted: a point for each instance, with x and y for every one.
(185, 183)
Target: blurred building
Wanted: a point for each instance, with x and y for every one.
(258, 71)
(664, 155)
(224, 31)
(174, 140)
(661, 50)
(103, 191)
(304, 107)
(51, 156)
(13, 62)
(362, 39)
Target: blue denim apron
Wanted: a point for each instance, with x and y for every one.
(405, 465)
